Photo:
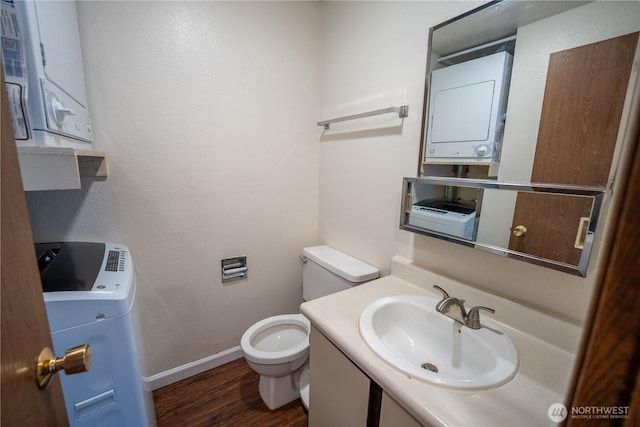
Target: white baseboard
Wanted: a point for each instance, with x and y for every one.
(171, 376)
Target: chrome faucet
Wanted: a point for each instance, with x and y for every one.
(470, 320)
(447, 303)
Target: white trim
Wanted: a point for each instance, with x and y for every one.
(187, 370)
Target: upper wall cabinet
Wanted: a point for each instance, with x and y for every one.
(532, 97)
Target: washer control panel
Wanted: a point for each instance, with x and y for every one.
(114, 272)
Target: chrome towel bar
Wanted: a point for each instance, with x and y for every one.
(403, 111)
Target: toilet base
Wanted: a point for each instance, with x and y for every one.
(278, 391)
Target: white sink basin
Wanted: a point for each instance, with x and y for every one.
(408, 333)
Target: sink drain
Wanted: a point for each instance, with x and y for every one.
(430, 367)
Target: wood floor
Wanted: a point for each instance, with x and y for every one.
(224, 396)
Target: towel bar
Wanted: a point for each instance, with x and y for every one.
(403, 111)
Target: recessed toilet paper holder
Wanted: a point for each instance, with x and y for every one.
(234, 268)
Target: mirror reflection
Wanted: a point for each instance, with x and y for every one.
(534, 90)
(548, 225)
(523, 92)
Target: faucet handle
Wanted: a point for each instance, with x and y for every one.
(473, 318)
(444, 293)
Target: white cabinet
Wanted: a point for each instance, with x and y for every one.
(394, 415)
(338, 390)
(341, 395)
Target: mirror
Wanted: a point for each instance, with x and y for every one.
(526, 110)
(506, 116)
(472, 69)
(505, 219)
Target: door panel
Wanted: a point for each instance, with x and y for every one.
(581, 111)
(25, 329)
(552, 230)
(607, 366)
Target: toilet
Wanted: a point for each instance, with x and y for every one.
(277, 347)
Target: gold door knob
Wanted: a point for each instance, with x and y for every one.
(74, 361)
(519, 230)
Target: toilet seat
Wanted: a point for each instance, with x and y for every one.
(283, 338)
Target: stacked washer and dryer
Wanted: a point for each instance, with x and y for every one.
(90, 297)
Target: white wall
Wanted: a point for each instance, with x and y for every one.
(207, 111)
(374, 55)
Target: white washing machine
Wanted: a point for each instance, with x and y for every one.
(89, 292)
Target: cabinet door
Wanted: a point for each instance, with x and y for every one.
(338, 390)
(581, 112)
(394, 415)
(556, 227)
(581, 116)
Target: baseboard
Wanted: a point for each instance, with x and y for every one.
(180, 373)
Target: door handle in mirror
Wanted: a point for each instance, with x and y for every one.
(581, 235)
(74, 361)
(519, 231)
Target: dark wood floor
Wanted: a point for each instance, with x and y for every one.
(224, 396)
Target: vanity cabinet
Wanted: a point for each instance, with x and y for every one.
(338, 390)
(342, 395)
(394, 415)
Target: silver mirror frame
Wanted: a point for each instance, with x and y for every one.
(580, 270)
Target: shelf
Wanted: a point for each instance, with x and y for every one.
(492, 167)
(59, 168)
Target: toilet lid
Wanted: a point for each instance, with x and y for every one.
(304, 387)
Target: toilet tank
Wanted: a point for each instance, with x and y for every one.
(327, 270)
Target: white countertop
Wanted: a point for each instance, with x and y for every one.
(546, 350)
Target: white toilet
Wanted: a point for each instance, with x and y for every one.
(278, 347)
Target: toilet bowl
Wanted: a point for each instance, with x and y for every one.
(277, 347)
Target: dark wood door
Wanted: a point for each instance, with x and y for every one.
(608, 365)
(581, 115)
(25, 329)
(581, 112)
(552, 234)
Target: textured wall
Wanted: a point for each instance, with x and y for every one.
(374, 56)
(207, 111)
